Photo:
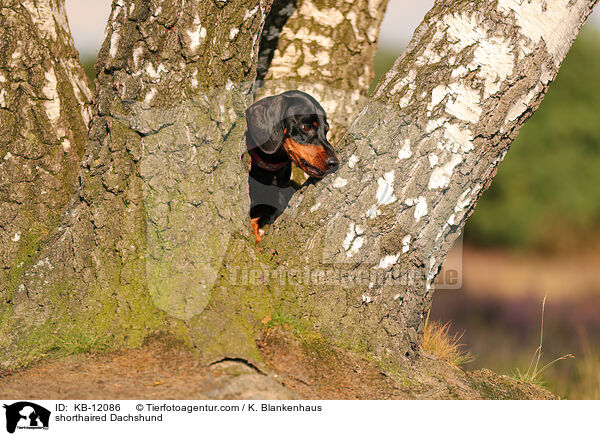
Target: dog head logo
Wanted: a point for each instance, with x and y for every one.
(26, 415)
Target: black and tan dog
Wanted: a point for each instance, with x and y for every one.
(285, 128)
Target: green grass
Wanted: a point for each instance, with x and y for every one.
(77, 342)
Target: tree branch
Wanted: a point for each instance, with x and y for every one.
(417, 159)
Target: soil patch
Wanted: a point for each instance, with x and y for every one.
(296, 369)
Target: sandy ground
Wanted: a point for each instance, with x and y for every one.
(166, 369)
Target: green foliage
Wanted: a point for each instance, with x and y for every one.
(546, 192)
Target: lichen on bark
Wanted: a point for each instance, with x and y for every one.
(156, 237)
(44, 111)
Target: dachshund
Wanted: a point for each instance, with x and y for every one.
(285, 128)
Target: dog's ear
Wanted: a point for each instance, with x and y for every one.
(265, 122)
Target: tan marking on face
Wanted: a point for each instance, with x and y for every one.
(313, 155)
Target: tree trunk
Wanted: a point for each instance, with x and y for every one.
(156, 238)
(44, 112)
(416, 161)
(162, 185)
(326, 48)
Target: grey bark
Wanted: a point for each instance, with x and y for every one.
(156, 238)
(44, 111)
(161, 188)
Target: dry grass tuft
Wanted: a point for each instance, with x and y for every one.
(438, 340)
(534, 373)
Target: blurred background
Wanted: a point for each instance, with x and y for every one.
(536, 231)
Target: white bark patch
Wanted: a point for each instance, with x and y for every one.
(79, 85)
(137, 55)
(385, 189)
(250, 13)
(406, 244)
(374, 7)
(356, 245)
(463, 30)
(464, 103)
(66, 145)
(353, 19)
(155, 73)
(233, 33)
(433, 160)
(429, 56)
(373, 212)
(521, 105)
(339, 182)
(50, 91)
(493, 56)
(404, 152)
(114, 43)
(372, 33)
(43, 17)
(440, 177)
(349, 237)
(304, 34)
(304, 70)
(495, 60)
(286, 60)
(323, 58)
(150, 95)
(330, 17)
(420, 207)
(352, 161)
(388, 261)
(437, 95)
(353, 242)
(460, 138)
(465, 199)
(366, 299)
(555, 22)
(434, 124)
(409, 81)
(2, 98)
(460, 71)
(17, 237)
(315, 207)
(197, 35)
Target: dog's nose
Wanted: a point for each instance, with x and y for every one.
(332, 162)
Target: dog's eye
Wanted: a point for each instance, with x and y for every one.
(307, 127)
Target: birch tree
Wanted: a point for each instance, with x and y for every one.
(155, 237)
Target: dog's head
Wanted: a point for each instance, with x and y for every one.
(297, 122)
